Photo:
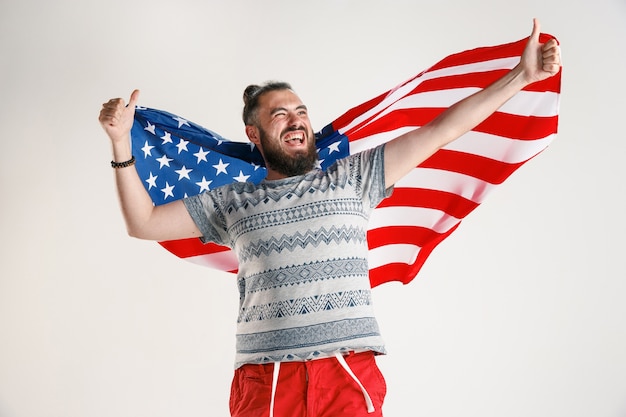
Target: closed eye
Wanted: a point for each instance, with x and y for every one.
(279, 112)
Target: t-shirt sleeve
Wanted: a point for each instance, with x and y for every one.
(368, 173)
(205, 211)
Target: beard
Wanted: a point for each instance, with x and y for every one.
(290, 165)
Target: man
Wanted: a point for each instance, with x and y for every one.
(306, 333)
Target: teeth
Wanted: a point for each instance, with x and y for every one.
(298, 137)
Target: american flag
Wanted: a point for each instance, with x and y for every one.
(178, 158)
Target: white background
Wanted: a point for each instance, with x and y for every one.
(521, 312)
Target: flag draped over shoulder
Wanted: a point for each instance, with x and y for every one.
(178, 158)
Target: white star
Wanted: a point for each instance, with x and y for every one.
(334, 147)
(255, 166)
(168, 190)
(150, 128)
(241, 177)
(252, 146)
(182, 146)
(147, 149)
(201, 155)
(167, 138)
(204, 184)
(152, 181)
(318, 164)
(183, 173)
(181, 121)
(164, 161)
(221, 167)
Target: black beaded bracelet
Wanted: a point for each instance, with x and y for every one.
(124, 164)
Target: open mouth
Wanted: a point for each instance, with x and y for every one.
(294, 138)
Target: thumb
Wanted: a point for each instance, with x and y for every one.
(134, 98)
(534, 36)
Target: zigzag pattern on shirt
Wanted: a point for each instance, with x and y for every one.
(288, 215)
(305, 305)
(312, 182)
(293, 357)
(289, 242)
(304, 274)
(316, 335)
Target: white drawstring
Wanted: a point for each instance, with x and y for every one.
(274, 385)
(344, 364)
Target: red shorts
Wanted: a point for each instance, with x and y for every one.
(316, 388)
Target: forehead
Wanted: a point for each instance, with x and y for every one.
(279, 99)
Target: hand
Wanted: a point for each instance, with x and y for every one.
(117, 118)
(540, 61)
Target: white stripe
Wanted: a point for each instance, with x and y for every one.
(404, 89)
(388, 254)
(224, 261)
(495, 147)
(466, 186)
(524, 103)
(434, 219)
(507, 150)
(482, 66)
(378, 139)
(532, 103)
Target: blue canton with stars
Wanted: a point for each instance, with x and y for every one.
(177, 158)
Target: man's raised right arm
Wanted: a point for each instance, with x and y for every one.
(143, 219)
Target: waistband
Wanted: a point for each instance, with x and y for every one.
(342, 361)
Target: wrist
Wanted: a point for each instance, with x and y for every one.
(121, 149)
(519, 77)
(123, 164)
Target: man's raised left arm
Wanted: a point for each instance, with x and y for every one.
(538, 62)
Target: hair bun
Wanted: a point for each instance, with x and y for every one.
(249, 92)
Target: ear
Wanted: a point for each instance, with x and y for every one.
(253, 134)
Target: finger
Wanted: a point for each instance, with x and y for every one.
(550, 46)
(534, 35)
(114, 102)
(551, 68)
(111, 110)
(134, 98)
(114, 107)
(106, 117)
(552, 54)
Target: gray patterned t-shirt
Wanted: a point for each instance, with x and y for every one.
(301, 244)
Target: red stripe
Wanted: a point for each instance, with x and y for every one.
(518, 127)
(472, 79)
(391, 272)
(485, 169)
(187, 248)
(404, 272)
(481, 79)
(392, 235)
(453, 204)
(357, 111)
(393, 120)
(501, 124)
(487, 53)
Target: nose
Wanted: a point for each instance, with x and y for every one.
(293, 118)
